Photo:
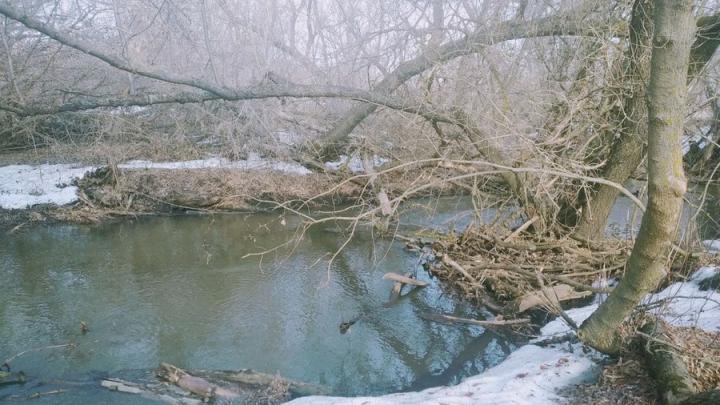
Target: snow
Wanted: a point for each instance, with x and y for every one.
(712, 245)
(559, 327)
(683, 304)
(534, 374)
(22, 186)
(253, 162)
(530, 375)
(355, 165)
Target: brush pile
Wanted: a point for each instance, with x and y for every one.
(506, 270)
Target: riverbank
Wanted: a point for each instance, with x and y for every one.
(76, 193)
(542, 373)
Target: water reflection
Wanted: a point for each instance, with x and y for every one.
(181, 290)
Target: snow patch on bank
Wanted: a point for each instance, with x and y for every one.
(253, 162)
(354, 163)
(22, 186)
(534, 375)
(680, 304)
(530, 375)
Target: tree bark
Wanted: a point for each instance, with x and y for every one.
(628, 150)
(665, 364)
(666, 98)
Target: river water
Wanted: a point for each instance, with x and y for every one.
(183, 290)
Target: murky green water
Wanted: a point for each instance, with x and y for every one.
(181, 290)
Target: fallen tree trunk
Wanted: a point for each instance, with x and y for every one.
(665, 364)
(256, 379)
(196, 385)
(229, 385)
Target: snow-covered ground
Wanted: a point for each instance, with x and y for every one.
(532, 375)
(354, 163)
(22, 186)
(712, 245)
(253, 162)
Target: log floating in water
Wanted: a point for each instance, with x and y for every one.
(454, 319)
(196, 385)
(255, 379)
(154, 392)
(404, 279)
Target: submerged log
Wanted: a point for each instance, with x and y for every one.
(196, 385)
(666, 366)
(255, 379)
(153, 392)
(397, 287)
(10, 378)
(443, 318)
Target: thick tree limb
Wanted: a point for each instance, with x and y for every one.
(112, 60)
(568, 24)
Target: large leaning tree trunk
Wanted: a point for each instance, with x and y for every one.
(628, 149)
(666, 98)
(627, 152)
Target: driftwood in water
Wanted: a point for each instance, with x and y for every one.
(153, 392)
(443, 318)
(455, 265)
(665, 364)
(404, 279)
(121, 386)
(196, 385)
(395, 291)
(255, 379)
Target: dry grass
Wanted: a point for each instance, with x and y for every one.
(701, 352)
(624, 382)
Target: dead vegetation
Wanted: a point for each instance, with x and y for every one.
(486, 266)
